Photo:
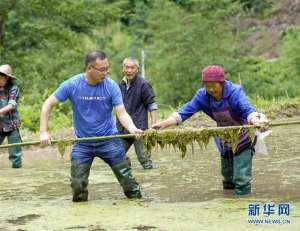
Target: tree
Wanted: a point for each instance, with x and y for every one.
(5, 7)
(183, 43)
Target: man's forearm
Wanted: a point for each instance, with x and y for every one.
(46, 109)
(126, 121)
(153, 116)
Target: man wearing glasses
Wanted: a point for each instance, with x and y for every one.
(93, 96)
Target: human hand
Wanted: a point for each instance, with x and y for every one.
(164, 124)
(137, 132)
(260, 120)
(45, 138)
(159, 125)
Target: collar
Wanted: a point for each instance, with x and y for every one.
(127, 82)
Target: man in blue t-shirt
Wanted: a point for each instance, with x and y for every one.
(93, 95)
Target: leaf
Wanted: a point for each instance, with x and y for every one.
(62, 147)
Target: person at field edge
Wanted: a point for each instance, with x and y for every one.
(226, 104)
(9, 116)
(93, 95)
(139, 99)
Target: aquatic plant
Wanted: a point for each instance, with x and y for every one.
(181, 138)
(61, 145)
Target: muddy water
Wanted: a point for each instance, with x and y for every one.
(178, 194)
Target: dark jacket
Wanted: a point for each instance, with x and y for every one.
(138, 99)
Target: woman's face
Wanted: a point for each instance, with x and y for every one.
(3, 80)
(215, 89)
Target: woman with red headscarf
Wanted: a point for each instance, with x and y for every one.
(226, 104)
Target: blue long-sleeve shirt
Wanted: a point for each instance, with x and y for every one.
(202, 101)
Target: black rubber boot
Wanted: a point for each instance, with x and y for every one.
(79, 181)
(148, 164)
(16, 163)
(242, 172)
(123, 173)
(227, 172)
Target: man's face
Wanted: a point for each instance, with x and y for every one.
(3, 80)
(214, 89)
(98, 70)
(130, 70)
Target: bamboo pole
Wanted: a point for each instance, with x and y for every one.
(132, 136)
(255, 126)
(69, 140)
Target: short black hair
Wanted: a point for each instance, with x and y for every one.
(93, 56)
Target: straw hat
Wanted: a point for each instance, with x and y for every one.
(7, 71)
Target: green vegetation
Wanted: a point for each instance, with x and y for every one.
(181, 138)
(46, 41)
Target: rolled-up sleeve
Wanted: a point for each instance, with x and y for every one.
(13, 97)
(152, 106)
(148, 97)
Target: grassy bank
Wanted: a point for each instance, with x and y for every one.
(283, 107)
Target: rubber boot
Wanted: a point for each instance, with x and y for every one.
(148, 164)
(15, 153)
(128, 161)
(227, 172)
(123, 173)
(142, 157)
(242, 172)
(79, 181)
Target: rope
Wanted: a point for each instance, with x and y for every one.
(132, 136)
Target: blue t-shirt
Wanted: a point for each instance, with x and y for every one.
(92, 105)
(202, 101)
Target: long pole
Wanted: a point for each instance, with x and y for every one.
(132, 136)
(69, 140)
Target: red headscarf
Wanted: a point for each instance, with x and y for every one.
(213, 73)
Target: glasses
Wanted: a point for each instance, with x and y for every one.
(102, 70)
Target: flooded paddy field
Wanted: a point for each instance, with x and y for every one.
(179, 194)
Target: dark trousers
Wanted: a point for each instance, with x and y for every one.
(237, 172)
(15, 153)
(110, 151)
(139, 150)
